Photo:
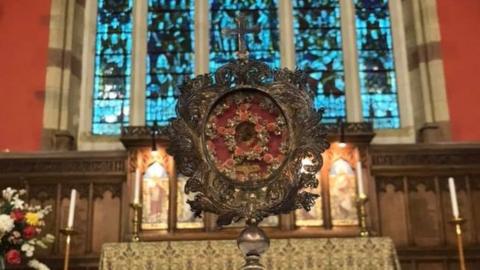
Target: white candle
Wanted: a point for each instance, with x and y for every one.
(360, 179)
(71, 209)
(453, 197)
(136, 190)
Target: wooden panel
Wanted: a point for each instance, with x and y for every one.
(475, 202)
(392, 209)
(424, 212)
(407, 265)
(49, 178)
(106, 215)
(79, 242)
(465, 211)
(430, 266)
(473, 264)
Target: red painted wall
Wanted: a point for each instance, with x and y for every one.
(460, 30)
(23, 59)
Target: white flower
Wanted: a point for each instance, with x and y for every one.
(49, 238)
(37, 265)
(17, 203)
(41, 244)
(8, 193)
(6, 223)
(28, 249)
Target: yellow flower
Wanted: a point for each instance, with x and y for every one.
(32, 218)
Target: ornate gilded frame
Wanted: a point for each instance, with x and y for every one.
(287, 187)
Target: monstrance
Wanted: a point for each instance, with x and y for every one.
(250, 141)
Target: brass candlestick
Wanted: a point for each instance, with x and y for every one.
(362, 214)
(68, 232)
(458, 221)
(136, 211)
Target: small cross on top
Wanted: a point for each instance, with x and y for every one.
(241, 32)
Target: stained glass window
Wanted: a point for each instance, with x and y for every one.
(262, 46)
(170, 47)
(111, 91)
(318, 44)
(376, 64)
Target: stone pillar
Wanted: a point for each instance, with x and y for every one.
(63, 79)
(287, 46)
(425, 65)
(350, 60)
(202, 30)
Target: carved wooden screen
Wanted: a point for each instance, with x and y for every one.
(164, 200)
(165, 192)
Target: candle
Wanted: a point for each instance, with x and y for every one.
(453, 197)
(71, 209)
(136, 190)
(360, 179)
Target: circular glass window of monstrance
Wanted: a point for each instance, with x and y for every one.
(246, 136)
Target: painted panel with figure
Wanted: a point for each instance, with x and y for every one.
(155, 197)
(185, 217)
(314, 216)
(342, 182)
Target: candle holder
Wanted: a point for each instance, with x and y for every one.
(458, 222)
(136, 211)
(362, 214)
(68, 232)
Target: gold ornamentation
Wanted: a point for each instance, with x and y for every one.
(458, 222)
(285, 100)
(68, 232)
(137, 207)
(362, 215)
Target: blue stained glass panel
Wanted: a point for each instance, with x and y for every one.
(262, 46)
(318, 44)
(170, 51)
(112, 75)
(376, 64)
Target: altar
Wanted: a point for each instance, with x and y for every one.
(251, 145)
(284, 254)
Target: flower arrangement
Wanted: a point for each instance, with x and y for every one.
(20, 228)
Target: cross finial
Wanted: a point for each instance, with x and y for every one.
(241, 32)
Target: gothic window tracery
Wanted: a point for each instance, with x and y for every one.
(378, 87)
(112, 75)
(262, 46)
(318, 45)
(170, 55)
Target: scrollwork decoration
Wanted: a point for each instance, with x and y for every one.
(213, 103)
